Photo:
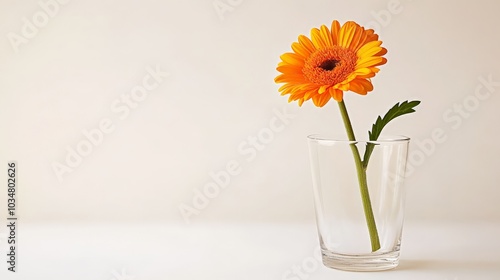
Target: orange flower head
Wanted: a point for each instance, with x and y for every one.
(342, 58)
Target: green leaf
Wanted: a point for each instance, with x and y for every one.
(397, 110)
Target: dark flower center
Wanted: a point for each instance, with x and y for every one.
(328, 65)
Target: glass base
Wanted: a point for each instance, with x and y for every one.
(371, 262)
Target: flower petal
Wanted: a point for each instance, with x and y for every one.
(288, 68)
(306, 43)
(316, 39)
(321, 99)
(362, 71)
(336, 94)
(369, 49)
(292, 58)
(326, 36)
(322, 89)
(347, 33)
(299, 49)
(361, 86)
(335, 30)
(308, 95)
(370, 62)
(358, 39)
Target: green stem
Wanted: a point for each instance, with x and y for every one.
(363, 184)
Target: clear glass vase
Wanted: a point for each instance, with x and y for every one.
(359, 203)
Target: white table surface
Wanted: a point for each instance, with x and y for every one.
(430, 251)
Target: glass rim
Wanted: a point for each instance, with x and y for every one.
(385, 139)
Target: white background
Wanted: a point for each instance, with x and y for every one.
(220, 93)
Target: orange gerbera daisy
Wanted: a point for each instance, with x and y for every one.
(342, 58)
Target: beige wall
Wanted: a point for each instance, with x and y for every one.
(78, 66)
